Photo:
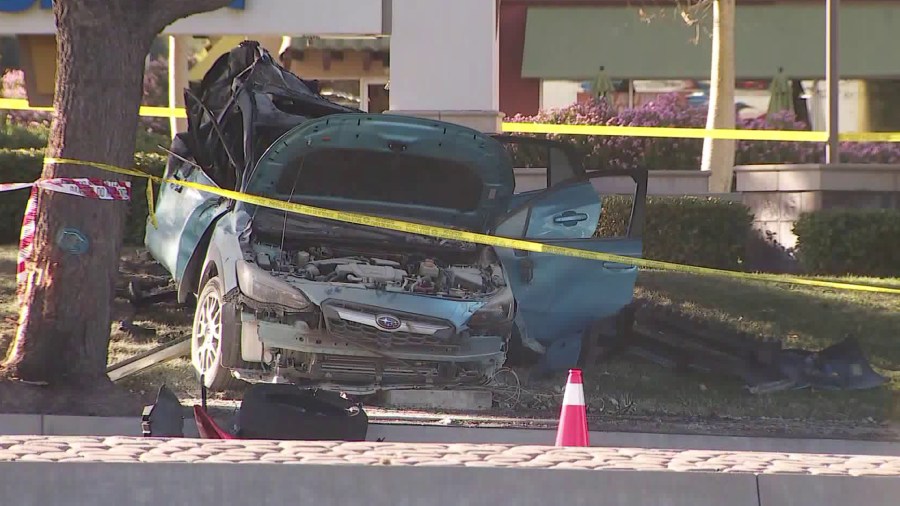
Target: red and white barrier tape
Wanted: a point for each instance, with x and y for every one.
(26, 240)
(96, 189)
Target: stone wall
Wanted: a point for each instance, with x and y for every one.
(778, 194)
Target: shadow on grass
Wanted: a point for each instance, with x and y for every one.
(800, 316)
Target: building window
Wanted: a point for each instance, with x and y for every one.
(344, 91)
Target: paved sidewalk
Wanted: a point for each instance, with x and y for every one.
(126, 449)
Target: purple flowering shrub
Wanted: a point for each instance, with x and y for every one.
(155, 93)
(628, 152)
(13, 86)
(771, 152)
(594, 148)
(673, 110)
(28, 129)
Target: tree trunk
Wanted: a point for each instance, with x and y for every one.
(64, 323)
(718, 154)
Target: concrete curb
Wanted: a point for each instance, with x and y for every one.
(49, 471)
(50, 484)
(58, 425)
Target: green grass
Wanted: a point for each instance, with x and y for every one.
(805, 317)
(170, 323)
(801, 316)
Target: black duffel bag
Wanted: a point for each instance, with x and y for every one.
(290, 413)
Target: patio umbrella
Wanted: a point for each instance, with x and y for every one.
(781, 94)
(603, 87)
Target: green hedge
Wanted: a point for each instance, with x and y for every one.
(23, 137)
(14, 136)
(24, 165)
(689, 230)
(859, 242)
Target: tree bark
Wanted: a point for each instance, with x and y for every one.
(64, 322)
(718, 154)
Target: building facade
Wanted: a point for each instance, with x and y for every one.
(433, 71)
(550, 49)
(473, 61)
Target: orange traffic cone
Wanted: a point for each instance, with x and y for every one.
(573, 429)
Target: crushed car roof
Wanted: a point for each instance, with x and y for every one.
(244, 102)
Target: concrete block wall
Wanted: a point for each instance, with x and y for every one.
(778, 194)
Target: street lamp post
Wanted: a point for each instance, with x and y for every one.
(832, 76)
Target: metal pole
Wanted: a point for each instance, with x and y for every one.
(832, 77)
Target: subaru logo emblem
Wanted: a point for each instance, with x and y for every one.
(387, 322)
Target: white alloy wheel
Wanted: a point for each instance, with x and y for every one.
(208, 336)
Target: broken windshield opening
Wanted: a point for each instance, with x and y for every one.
(390, 177)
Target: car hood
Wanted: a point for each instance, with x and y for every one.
(390, 165)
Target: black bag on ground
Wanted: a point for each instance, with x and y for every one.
(290, 413)
(165, 418)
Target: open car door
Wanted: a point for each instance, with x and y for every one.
(560, 298)
(540, 164)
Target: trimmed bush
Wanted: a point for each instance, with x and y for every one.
(24, 165)
(12, 85)
(14, 136)
(708, 232)
(16, 166)
(155, 92)
(860, 242)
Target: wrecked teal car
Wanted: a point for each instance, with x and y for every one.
(284, 297)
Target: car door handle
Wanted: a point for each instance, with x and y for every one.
(569, 218)
(615, 266)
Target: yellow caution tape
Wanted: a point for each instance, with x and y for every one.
(676, 132)
(552, 128)
(870, 137)
(162, 112)
(19, 104)
(471, 237)
(698, 133)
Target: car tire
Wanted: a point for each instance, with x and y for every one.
(212, 344)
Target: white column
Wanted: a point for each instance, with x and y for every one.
(179, 46)
(445, 61)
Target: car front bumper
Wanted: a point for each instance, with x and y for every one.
(348, 352)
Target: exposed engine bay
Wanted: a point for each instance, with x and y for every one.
(397, 272)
